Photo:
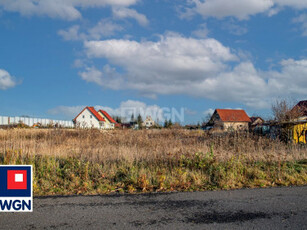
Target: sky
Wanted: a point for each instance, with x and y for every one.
(189, 56)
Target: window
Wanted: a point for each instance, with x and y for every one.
(83, 116)
(91, 116)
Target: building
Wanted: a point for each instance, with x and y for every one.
(110, 123)
(299, 132)
(255, 122)
(89, 118)
(229, 120)
(299, 111)
(149, 122)
(295, 130)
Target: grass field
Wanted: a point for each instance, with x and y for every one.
(99, 162)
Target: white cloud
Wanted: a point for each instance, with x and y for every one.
(241, 84)
(79, 63)
(121, 12)
(235, 29)
(107, 77)
(6, 80)
(297, 4)
(202, 31)
(190, 111)
(291, 79)
(104, 28)
(64, 9)
(303, 20)
(257, 88)
(196, 67)
(71, 34)
(273, 11)
(208, 112)
(242, 9)
(152, 64)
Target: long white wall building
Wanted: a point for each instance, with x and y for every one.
(29, 121)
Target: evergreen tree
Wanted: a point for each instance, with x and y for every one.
(118, 119)
(165, 124)
(170, 123)
(139, 121)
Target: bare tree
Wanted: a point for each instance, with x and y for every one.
(283, 110)
(280, 108)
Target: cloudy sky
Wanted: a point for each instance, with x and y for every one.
(57, 56)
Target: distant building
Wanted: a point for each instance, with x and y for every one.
(299, 131)
(255, 122)
(296, 128)
(149, 122)
(229, 119)
(299, 111)
(89, 118)
(109, 121)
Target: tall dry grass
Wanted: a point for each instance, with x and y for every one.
(149, 145)
(96, 162)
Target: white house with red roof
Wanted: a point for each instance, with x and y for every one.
(149, 122)
(89, 118)
(229, 119)
(109, 121)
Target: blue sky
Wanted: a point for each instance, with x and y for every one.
(58, 56)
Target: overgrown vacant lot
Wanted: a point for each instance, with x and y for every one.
(96, 162)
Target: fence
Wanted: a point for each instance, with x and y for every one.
(32, 121)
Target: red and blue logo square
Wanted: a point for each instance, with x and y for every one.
(15, 181)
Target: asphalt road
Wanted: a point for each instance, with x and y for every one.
(273, 208)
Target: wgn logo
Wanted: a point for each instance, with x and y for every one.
(16, 188)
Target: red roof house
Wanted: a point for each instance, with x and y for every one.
(107, 116)
(299, 110)
(233, 115)
(230, 119)
(89, 118)
(110, 122)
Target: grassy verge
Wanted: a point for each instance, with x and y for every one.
(186, 172)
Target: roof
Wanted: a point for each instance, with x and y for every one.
(233, 115)
(118, 125)
(108, 116)
(253, 119)
(93, 111)
(148, 118)
(300, 108)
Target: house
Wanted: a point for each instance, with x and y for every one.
(89, 118)
(149, 122)
(299, 132)
(290, 131)
(126, 125)
(255, 122)
(299, 111)
(229, 119)
(109, 121)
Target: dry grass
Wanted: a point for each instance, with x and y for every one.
(146, 145)
(96, 162)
